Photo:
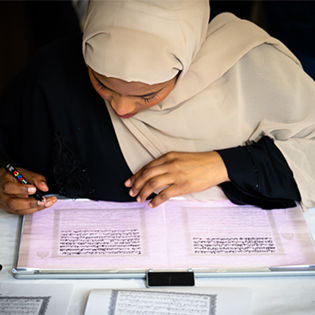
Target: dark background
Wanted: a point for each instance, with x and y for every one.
(27, 25)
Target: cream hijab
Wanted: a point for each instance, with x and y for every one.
(236, 83)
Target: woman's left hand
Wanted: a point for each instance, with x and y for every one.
(180, 173)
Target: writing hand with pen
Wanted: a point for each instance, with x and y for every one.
(22, 199)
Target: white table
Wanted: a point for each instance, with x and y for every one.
(271, 295)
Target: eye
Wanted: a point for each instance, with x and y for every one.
(149, 99)
(102, 87)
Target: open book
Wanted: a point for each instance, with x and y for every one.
(81, 236)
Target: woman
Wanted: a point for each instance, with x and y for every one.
(191, 106)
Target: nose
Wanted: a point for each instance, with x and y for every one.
(123, 105)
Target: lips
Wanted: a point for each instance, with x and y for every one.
(124, 116)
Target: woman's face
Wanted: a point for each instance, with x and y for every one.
(128, 98)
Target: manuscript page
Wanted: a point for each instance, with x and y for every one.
(231, 237)
(30, 299)
(94, 235)
(201, 301)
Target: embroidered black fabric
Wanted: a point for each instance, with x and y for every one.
(71, 178)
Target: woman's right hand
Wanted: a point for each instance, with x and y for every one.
(14, 196)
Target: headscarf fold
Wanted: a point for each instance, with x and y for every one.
(236, 83)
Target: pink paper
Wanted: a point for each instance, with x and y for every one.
(113, 236)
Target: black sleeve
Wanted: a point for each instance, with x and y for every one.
(259, 175)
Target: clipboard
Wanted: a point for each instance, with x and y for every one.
(284, 227)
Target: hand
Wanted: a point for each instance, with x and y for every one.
(14, 195)
(180, 172)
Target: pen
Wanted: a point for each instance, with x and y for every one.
(16, 174)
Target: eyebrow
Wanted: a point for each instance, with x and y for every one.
(144, 95)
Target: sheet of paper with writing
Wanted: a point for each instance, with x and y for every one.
(202, 301)
(90, 235)
(30, 299)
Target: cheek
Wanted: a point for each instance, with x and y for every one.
(159, 98)
(153, 102)
(104, 95)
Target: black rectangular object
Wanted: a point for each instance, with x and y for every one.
(177, 278)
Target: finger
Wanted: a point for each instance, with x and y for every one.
(41, 183)
(147, 176)
(164, 195)
(47, 205)
(49, 201)
(20, 196)
(18, 204)
(28, 211)
(16, 188)
(37, 179)
(154, 183)
(155, 168)
(159, 161)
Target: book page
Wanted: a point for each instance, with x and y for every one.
(178, 235)
(94, 235)
(42, 299)
(145, 302)
(237, 237)
(202, 301)
(14, 305)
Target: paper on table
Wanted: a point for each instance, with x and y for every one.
(202, 301)
(30, 299)
(125, 236)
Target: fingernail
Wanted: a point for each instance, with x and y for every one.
(31, 190)
(131, 193)
(49, 204)
(138, 199)
(150, 205)
(128, 183)
(42, 182)
(40, 203)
